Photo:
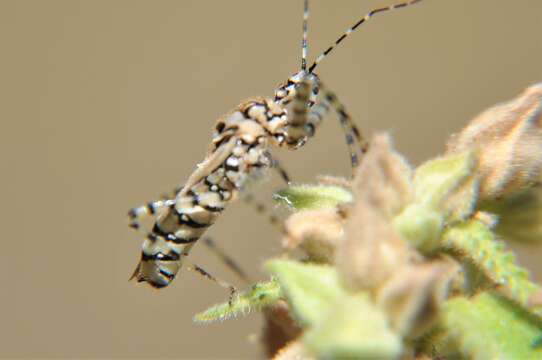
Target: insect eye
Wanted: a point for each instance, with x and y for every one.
(220, 127)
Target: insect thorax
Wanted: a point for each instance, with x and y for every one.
(257, 121)
(286, 91)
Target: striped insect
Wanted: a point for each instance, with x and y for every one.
(239, 152)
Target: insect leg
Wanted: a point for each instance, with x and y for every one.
(264, 210)
(304, 118)
(151, 209)
(222, 283)
(228, 260)
(353, 136)
(275, 164)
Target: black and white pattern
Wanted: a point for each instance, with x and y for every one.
(240, 152)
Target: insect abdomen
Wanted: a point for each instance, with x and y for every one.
(171, 239)
(242, 156)
(174, 233)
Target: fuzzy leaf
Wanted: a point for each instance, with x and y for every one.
(436, 181)
(475, 241)
(260, 295)
(491, 327)
(355, 328)
(312, 197)
(309, 289)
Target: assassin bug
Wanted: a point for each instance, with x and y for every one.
(239, 152)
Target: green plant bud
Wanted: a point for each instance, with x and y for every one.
(448, 185)
(421, 226)
(309, 289)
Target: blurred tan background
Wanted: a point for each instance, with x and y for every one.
(106, 104)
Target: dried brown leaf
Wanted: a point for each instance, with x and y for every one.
(334, 181)
(280, 328)
(316, 232)
(371, 251)
(508, 140)
(384, 178)
(413, 295)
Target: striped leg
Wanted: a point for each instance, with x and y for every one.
(275, 164)
(264, 210)
(304, 118)
(151, 209)
(353, 136)
(226, 259)
(222, 283)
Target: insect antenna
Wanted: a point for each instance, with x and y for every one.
(304, 44)
(356, 25)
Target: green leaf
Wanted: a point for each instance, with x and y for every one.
(309, 289)
(476, 241)
(312, 197)
(437, 181)
(491, 327)
(259, 296)
(354, 328)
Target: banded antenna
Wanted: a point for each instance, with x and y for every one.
(350, 30)
(304, 45)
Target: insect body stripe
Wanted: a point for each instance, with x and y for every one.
(167, 274)
(171, 256)
(185, 219)
(194, 210)
(239, 152)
